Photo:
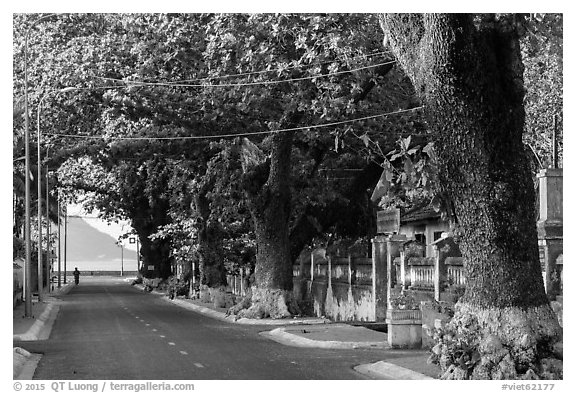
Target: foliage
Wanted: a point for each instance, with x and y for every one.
(542, 45)
(441, 307)
(177, 287)
(244, 74)
(410, 175)
(404, 301)
(457, 344)
(180, 234)
(18, 248)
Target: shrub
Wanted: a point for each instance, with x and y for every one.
(457, 346)
(404, 301)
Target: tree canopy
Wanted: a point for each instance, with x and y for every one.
(239, 129)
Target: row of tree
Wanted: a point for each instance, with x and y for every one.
(229, 139)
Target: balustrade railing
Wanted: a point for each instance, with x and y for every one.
(421, 273)
(321, 270)
(363, 271)
(455, 271)
(339, 269)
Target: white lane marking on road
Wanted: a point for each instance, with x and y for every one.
(161, 336)
(171, 343)
(147, 324)
(154, 330)
(199, 365)
(184, 352)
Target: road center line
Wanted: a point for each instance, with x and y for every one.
(184, 352)
(199, 365)
(171, 343)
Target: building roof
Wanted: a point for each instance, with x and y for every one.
(419, 214)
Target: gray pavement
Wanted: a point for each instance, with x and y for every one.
(296, 332)
(36, 327)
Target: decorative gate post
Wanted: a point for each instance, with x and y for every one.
(380, 280)
(550, 228)
(384, 250)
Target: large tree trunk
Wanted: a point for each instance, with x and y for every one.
(266, 184)
(210, 252)
(469, 77)
(155, 253)
(156, 260)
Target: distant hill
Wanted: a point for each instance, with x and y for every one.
(93, 249)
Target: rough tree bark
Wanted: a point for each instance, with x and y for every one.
(154, 252)
(468, 73)
(210, 251)
(267, 189)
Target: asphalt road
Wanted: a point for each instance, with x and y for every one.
(107, 329)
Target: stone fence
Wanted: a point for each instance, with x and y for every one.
(340, 288)
(357, 288)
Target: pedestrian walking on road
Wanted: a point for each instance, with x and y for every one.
(76, 275)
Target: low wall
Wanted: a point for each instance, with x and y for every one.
(317, 293)
(346, 302)
(90, 273)
(337, 288)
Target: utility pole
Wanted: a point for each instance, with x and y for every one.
(138, 254)
(59, 245)
(122, 260)
(554, 147)
(65, 239)
(48, 256)
(28, 264)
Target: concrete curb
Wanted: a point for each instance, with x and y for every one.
(232, 318)
(283, 337)
(385, 370)
(243, 321)
(42, 327)
(25, 363)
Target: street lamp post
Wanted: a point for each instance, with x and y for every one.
(59, 245)
(39, 176)
(28, 264)
(48, 256)
(65, 239)
(121, 245)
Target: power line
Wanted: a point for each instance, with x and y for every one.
(240, 134)
(375, 54)
(269, 82)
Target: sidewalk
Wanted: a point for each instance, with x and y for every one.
(323, 333)
(36, 327)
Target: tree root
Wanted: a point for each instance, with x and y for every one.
(490, 343)
(218, 296)
(262, 303)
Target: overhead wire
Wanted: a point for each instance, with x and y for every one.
(232, 135)
(268, 82)
(244, 74)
